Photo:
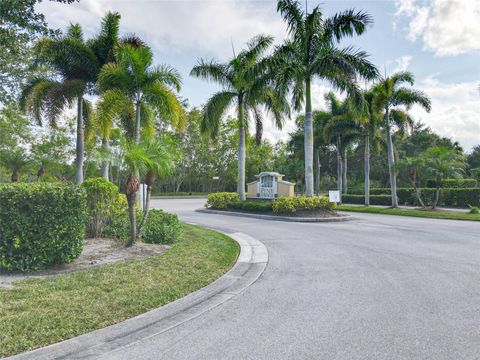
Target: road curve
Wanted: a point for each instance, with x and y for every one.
(378, 287)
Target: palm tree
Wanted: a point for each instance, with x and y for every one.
(341, 130)
(312, 52)
(78, 63)
(388, 95)
(246, 80)
(132, 84)
(77, 66)
(14, 160)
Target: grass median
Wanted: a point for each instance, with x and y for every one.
(38, 312)
(433, 214)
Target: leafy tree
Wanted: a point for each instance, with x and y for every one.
(246, 81)
(389, 94)
(473, 161)
(15, 160)
(312, 52)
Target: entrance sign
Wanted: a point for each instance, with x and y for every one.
(334, 196)
(270, 185)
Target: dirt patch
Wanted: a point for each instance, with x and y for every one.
(95, 252)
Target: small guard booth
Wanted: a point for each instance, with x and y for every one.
(270, 185)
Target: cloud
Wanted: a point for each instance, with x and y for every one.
(209, 27)
(454, 110)
(403, 63)
(446, 27)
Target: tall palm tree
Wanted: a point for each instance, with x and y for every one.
(77, 66)
(312, 52)
(341, 130)
(78, 63)
(389, 94)
(246, 80)
(132, 82)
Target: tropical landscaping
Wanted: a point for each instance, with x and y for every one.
(88, 124)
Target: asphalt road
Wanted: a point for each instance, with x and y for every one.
(379, 287)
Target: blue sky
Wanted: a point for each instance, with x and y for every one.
(438, 40)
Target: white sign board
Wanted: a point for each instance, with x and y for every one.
(334, 196)
(216, 178)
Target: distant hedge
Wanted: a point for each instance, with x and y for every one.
(41, 224)
(454, 183)
(451, 197)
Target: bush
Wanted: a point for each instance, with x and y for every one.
(473, 210)
(453, 183)
(291, 204)
(252, 205)
(103, 203)
(41, 224)
(161, 228)
(221, 200)
(360, 199)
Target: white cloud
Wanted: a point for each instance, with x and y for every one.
(403, 63)
(455, 110)
(172, 26)
(447, 27)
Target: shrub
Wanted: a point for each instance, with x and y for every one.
(291, 204)
(221, 200)
(161, 228)
(473, 209)
(103, 203)
(252, 205)
(454, 183)
(41, 224)
(360, 199)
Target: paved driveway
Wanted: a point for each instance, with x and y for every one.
(379, 287)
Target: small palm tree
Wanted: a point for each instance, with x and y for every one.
(131, 85)
(14, 160)
(312, 52)
(247, 81)
(146, 157)
(389, 94)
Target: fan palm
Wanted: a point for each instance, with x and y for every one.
(389, 94)
(312, 52)
(131, 85)
(14, 160)
(246, 80)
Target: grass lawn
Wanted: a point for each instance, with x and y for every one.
(437, 214)
(43, 311)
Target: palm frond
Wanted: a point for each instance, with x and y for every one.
(292, 13)
(212, 71)
(166, 103)
(166, 75)
(214, 110)
(346, 23)
(410, 97)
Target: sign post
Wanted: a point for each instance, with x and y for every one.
(334, 196)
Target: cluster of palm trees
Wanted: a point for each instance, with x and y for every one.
(252, 80)
(133, 92)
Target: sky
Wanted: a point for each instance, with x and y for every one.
(437, 40)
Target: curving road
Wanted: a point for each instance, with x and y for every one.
(379, 287)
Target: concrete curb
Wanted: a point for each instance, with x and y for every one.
(277, 217)
(169, 197)
(251, 263)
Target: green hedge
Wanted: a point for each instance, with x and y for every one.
(453, 197)
(41, 224)
(360, 199)
(454, 183)
(282, 205)
(161, 228)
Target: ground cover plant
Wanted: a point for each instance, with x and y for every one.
(91, 299)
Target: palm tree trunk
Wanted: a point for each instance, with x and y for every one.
(105, 163)
(14, 176)
(367, 170)
(131, 199)
(308, 141)
(137, 122)
(437, 197)
(339, 168)
(241, 150)
(317, 190)
(80, 145)
(147, 207)
(391, 162)
(344, 172)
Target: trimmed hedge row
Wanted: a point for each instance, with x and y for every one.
(41, 224)
(454, 183)
(282, 205)
(454, 197)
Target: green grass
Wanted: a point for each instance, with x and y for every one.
(43, 311)
(437, 214)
